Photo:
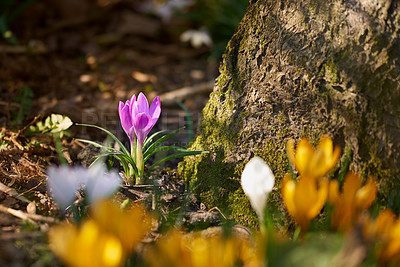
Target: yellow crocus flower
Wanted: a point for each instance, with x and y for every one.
(310, 162)
(349, 205)
(304, 199)
(86, 246)
(103, 240)
(385, 233)
(195, 250)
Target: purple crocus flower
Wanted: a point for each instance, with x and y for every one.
(137, 118)
(125, 115)
(143, 117)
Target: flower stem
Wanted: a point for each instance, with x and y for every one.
(131, 174)
(139, 164)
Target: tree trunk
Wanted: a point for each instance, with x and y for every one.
(302, 68)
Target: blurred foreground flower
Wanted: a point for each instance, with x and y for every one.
(304, 199)
(194, 250)
(65, 181)
(128, 226)
(349, 205)
(310, 162)
(385, 233)
(257, 183)
(88, 245)
(104, 240)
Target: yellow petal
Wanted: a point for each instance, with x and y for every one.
(290, 152)
(366, 194)
(288, 190)
(333, 191)
(320, 199)
(384, 222)
(392, 250)
(325, 158)
(304, 155)
(305, 198)
(130, 226)
(351, 184)
(61, 238)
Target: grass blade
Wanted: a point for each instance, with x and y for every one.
(164, 148)
(149, 139)
(159, 141)
(110, 134)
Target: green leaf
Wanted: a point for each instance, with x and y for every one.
(96, 144)
(176, 155)
(159, 141)
(24, 98)
(110, 134)
(164, 148)
(149, 139)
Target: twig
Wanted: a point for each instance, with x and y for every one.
(216, 208)
(11, 236)
(28, 125)
(26, 216)
(9, 105)
(170, 98)
(12, 193)
(32, 48)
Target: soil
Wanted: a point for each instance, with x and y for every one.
(80, 58)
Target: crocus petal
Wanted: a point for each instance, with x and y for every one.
(88, 245)
(142, 125)
(101, 184)
(290, 152)
(288, 191)
(142, 106)
(366, 194)
(126, 119)
(63, 183)
(304, 154)
(155, 110)
(333, 194)
(257, 182)
(131, 101)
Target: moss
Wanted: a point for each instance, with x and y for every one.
(341, 94)
(331, 72)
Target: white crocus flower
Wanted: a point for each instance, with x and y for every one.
(101, 184)
(64, 182)
(257, 182)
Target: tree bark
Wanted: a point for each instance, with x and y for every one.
(302, 68)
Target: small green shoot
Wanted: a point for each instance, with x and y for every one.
(55, 125)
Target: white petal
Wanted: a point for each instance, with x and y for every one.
(257, 182)
(63, 183)
(101, 184)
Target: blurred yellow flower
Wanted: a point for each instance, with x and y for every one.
(88, 245)
(310, 162)
(349, 205)
(304, 199)
(129, 226)
(104, 240)
(385, 232)
(194, 250)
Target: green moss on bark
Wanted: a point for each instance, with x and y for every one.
(301, 69)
